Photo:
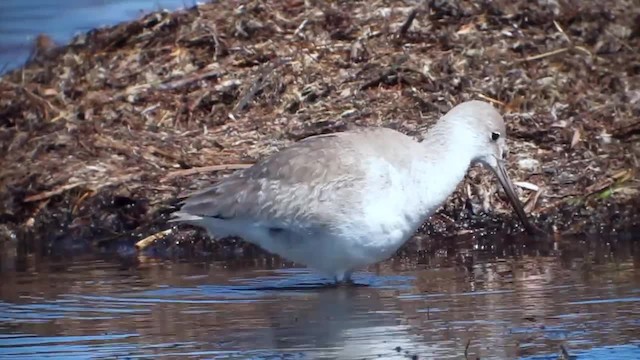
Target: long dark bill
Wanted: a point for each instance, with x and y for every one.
(506, 183)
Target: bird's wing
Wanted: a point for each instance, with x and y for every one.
(306, 183)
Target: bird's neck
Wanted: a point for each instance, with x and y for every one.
(446, 160)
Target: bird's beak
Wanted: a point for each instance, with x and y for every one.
(505, 181)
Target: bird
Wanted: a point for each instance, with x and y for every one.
(340, 201)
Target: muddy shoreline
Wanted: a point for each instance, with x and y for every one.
(102, 135)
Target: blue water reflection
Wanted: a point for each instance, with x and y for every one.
(22, 20)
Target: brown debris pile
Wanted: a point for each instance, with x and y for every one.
(100, 136)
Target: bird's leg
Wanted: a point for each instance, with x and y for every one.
(343, 278)
(347, 277)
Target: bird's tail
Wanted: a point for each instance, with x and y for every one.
(181, 216)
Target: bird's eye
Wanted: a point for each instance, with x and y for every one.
(495, 136)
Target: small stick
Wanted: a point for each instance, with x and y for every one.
(47, 194)
(376, 81)
(577, 47)
(407, 24)
(170, 85)
(466, 349)
(214, 34)
(575, 139)
(33, 96)
(547, 54)
(583, 49)
(490, 99)
(203, 169)
(300, 27)
(624, 43)
(564, 354)
(562, 31)
(627, 130)
(394, 69)
(262, 78)
(533, 202)
(155, 151)
(146, 242)
(82, 198)
(251, 92)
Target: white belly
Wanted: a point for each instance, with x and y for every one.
(363, 237)
(357, 241)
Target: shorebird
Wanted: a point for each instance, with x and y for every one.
(337, 202)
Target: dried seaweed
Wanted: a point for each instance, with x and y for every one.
(121, 110)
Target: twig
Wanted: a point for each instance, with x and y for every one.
(82, 198)
(33, 96)
(561, 50)
(627, 130)
(300, 27)
(262, 78)
(575, 139)
(203, 169)
(562, 31)
(624, 43)
(490, 99)
(170, 85)
(598, 187)
(216, 40)
(198, 99)
(393, 70)
(584, 50)
(547, 54)
(466, 349)
(564, 354)
(248, 96)
(407, 24)
(113, 180)
(527, 185)
(146, 242)
(533, 201)
(47, 194)
(384, 76)
(156, 151)
(577, 47)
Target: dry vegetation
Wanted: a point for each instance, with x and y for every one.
(99, 137)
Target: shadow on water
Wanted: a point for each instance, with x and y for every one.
(436, 299)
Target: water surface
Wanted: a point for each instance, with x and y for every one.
(22, 20)
(583, 296)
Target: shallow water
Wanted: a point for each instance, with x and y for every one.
(581, 295)
(22, 20)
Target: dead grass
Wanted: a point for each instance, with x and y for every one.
(100, 136)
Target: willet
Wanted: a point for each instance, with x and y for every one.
(340, 201)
